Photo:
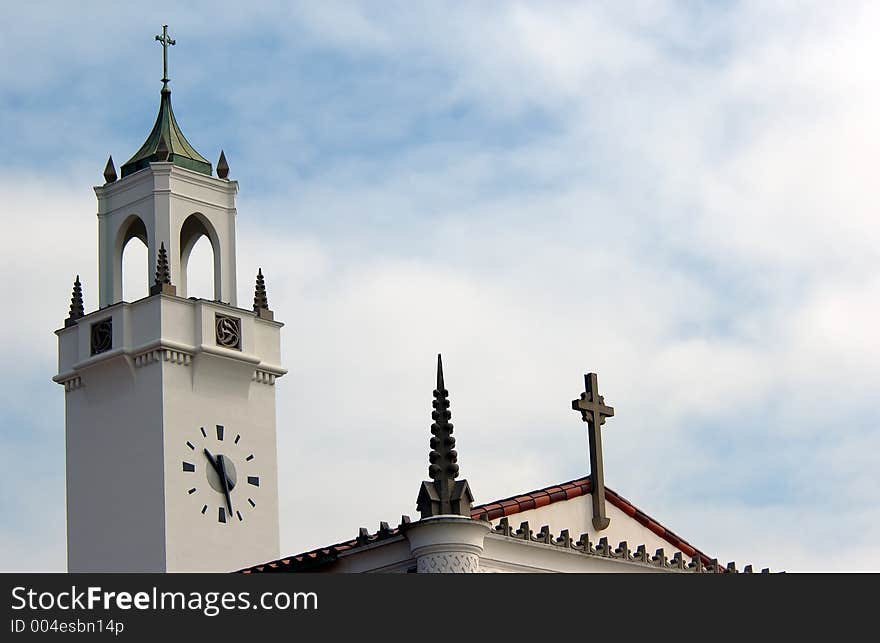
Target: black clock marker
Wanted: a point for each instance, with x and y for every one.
(220, 432)
(237, 438)
(188, 466)
(204, 508)
(225, 480)
(238, 513)
(204, 435)
(254, 480)
(191, 491)
(253, 504)
(190, 445)
(250, 457)
(221, 514)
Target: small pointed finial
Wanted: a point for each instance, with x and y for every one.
(76, 304)
(222, 166)
(440, 385)
(261, 300)
(162, 283)
(162, 149)
(110, 171)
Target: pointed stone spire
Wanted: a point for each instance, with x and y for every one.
(261, 301)
(163, 274)
(76, 304)
(443, 495)
(110, 171)
(222, 166)
(443, 457)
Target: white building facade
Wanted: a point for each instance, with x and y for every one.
(169, 401)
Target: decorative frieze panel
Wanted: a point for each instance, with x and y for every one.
(453, 562)
(102, 336)
(263, 377)
(72, 384)
(604, 549)
(228, 331)
(162, 355)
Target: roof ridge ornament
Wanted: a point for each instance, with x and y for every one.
(443, 495)
(76, 304)
(594, 411)
(163, 274)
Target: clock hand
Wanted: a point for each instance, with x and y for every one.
(212, 460)
(225, 483)
(216, 467)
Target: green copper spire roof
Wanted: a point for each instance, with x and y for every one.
(166, 142)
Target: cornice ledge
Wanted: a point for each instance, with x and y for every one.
(229, 353)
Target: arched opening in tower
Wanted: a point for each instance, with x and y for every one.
(198, 259)
(200, 270)
(135, 261)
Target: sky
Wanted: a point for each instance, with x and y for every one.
(679, 196)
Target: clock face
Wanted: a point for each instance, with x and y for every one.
(221, 474)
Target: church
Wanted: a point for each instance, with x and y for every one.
(194, 380)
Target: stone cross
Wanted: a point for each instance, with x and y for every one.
(593, 411)
(165, 41)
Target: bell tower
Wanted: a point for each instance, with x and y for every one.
(169, 400)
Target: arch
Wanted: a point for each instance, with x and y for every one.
(132, 227)
(194, 227)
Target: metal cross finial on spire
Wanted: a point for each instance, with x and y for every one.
(593, 411)
(165, 41)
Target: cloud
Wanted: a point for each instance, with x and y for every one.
(677, 198)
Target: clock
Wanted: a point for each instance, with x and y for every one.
(221, 475)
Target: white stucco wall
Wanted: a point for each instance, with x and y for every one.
(130, 412)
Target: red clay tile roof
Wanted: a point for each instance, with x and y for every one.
(323, 556)
(573, 489)
(311, 560)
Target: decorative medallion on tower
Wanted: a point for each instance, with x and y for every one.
(102, 336)
(228, 331)
(443, 495)
(594, 411)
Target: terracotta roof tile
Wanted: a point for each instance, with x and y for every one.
(557, 495)
(542, 500)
